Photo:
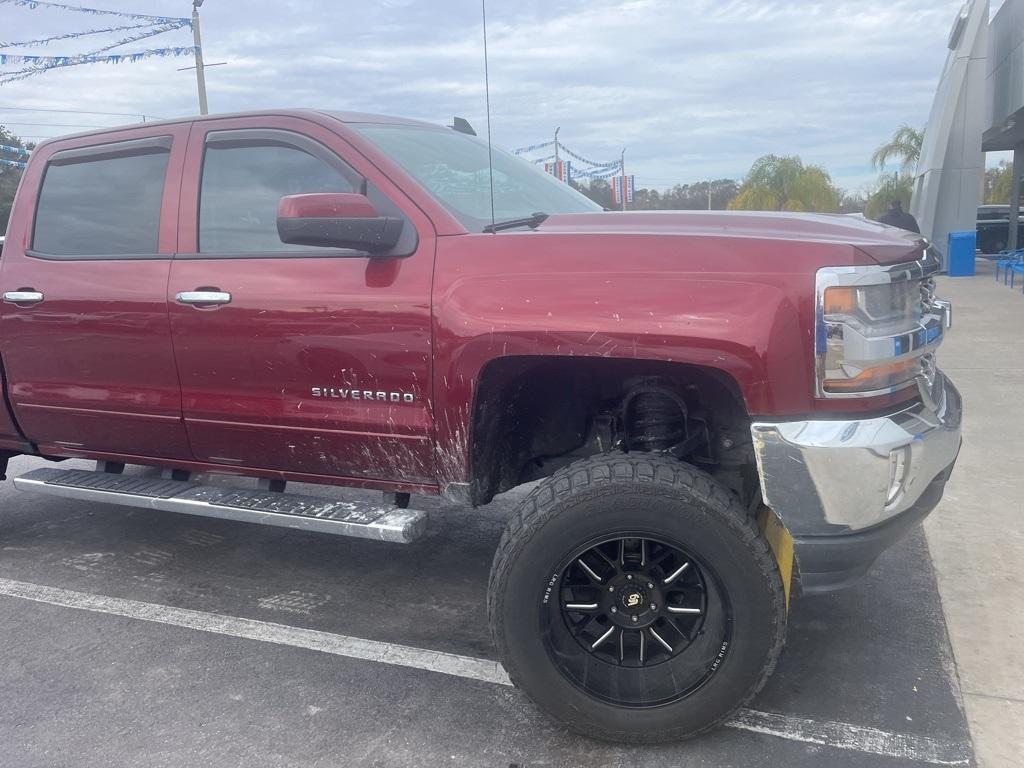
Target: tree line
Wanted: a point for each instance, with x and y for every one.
(786, 183)
(682, 197)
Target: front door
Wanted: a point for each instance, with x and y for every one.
(300, 359)
(84, 323)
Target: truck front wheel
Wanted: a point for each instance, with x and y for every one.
(633, 599)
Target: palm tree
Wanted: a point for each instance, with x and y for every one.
(786, 184)
(891, 186)
(905, 146)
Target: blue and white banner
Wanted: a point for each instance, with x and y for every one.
(73, 35)
(151, 32)
(45, 63)
(20, 152)
(574, 156)
(603, 173)
(86, 58)
(33, 4)
(532, 148)
(11, 164)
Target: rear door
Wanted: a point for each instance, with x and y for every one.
(84, 322)
(316, 360)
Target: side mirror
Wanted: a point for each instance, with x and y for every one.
(336, 220)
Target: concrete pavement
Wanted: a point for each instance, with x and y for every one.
(135, 637)
(976, 536)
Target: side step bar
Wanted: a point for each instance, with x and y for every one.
(364, 520)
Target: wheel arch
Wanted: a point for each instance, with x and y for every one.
(534, 408)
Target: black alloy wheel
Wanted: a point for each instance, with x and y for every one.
(643, 609)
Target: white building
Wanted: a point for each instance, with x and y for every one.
(979, 105)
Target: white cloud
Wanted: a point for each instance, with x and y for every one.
(695, 88)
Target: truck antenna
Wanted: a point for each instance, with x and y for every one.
(487, 95)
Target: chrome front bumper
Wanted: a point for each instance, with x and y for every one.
(835, 477)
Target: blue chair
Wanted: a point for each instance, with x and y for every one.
(1006, 260)
(1017, 269)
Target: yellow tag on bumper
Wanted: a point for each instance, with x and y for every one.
(781, 542)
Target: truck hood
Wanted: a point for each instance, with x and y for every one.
(882, 243)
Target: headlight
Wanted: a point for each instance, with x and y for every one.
(877, 327)
(874, 309)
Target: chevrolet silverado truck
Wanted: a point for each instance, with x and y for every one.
(715, 410)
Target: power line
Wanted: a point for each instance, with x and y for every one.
(80, 112)
(76, 111)
(60, 125)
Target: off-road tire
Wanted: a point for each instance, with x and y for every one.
(616, 492)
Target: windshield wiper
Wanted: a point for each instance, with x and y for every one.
(532, 221)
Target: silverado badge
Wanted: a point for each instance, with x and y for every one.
(407, 398)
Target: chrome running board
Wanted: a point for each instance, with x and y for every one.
(362, 519)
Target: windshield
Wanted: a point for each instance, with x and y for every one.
(453, 168)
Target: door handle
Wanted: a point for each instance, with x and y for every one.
(24, 296)
(197, 298)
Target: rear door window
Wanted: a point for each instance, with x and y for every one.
(102, 201)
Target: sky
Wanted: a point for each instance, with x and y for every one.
(693, 89)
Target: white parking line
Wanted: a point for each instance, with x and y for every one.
(264, 631)
(825, 733)
(857, 738)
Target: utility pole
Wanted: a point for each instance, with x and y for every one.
(556, 145)
(709, 194)
(622, 170)
(200, 74)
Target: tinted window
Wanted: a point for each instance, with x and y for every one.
(102, 206)
(242, 186)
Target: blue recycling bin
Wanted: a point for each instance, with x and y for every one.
(961, 253)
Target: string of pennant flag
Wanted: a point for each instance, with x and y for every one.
(532, 148)
(85, 58)
(598, 174)
(45, 63)
(19, 151)
(72, 35)
(574, 156)
(566, 170)
(147, 25)
(149, 31)
(34, 4)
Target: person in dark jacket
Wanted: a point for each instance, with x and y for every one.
(897, 217)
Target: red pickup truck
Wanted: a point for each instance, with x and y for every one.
(715, 408)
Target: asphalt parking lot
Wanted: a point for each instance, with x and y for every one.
(133, 637)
